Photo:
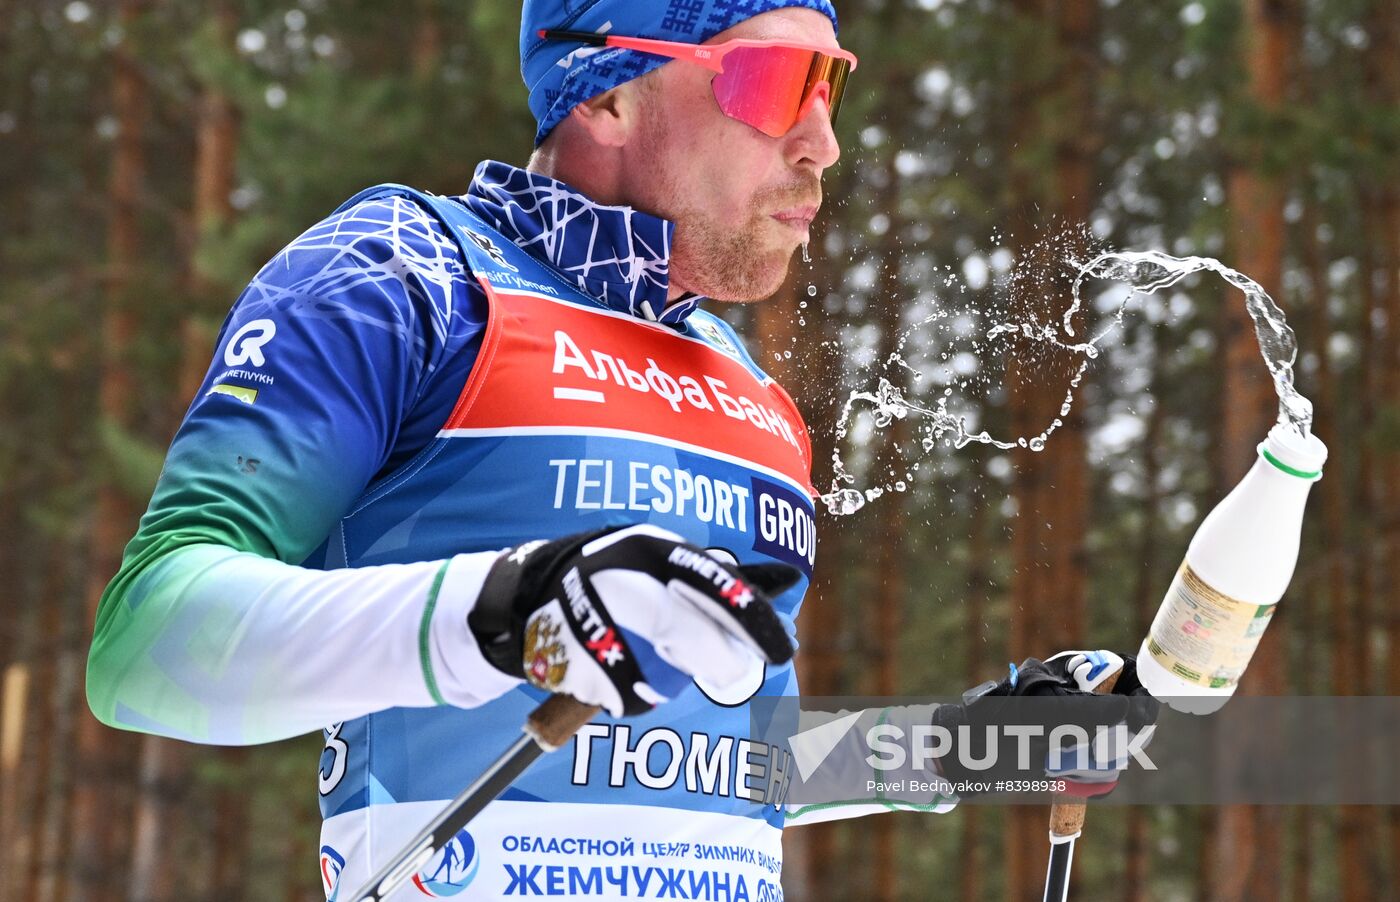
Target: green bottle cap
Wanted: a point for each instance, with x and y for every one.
(1294, 453)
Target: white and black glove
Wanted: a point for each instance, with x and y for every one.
(1035, 699)
(625, 617)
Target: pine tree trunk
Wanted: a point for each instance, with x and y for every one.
(1383, 75)
(1052, 490)
(22, 879)
(1313, 629)
(1027, 402)
(101, 793)
(215, 170)
(163, 784)
(216, 154)
(885, 615)
(1207, 852)
(58, 643)
(427, 45)
(970, 858)
(1077, 27)
(55, 843)
(885, 612)
(1147, 595)
(296, 856)
(230, 831)
(1358, 823)
(21, 158)
(1335, 518)
(164, 768)
(1303, 858)
(14, 709)
(1249, 842)
(18, 625)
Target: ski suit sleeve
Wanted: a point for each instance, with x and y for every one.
(211, 631)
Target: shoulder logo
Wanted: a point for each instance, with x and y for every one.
(247, 343)
(715, 336)
(489, 248)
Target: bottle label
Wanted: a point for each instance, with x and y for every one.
(1203, 636)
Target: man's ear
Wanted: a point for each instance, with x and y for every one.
(610, 117)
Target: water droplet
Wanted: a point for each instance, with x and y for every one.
(843, 502)
(806, 257)
(811, 291)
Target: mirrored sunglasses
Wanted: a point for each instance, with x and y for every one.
(769, 85)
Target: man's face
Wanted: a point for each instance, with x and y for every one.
(742, 201)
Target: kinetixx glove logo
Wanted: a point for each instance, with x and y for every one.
(602, 639)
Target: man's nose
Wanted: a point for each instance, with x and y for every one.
(812, 141)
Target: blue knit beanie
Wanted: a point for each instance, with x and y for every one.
(561, 74)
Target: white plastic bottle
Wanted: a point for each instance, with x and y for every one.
(1237, 567)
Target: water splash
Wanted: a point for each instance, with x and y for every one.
(1145, 272)
(1150, 271)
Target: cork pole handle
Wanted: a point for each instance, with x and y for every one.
(557, 719)
(1067, 811)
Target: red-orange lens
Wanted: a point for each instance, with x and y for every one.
(767, 87)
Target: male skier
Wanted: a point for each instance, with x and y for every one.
(454, 454)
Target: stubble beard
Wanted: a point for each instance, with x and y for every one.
(726, 264)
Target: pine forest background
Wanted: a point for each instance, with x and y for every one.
(153, 154)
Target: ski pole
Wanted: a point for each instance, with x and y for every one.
(1066, 823)
(548, 727)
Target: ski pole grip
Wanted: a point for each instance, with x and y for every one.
(557, 719)
(1067, 812)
